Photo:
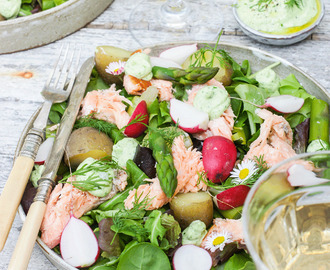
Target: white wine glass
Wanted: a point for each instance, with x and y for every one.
(286, 225)
(158, 21)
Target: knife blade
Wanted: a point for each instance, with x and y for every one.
(24, 246)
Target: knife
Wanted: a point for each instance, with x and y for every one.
(26, 240)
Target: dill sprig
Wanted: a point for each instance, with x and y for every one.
(292, 3)
(129, 221)
(94, 182)
(139, 118)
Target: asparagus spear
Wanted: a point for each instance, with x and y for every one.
(165, 167)
(319, 126)
(192, 75)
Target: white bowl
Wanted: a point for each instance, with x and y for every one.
(281, 40)
(47, 26)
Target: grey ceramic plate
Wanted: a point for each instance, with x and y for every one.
(258, 59)
(47, 26)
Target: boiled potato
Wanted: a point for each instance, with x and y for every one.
(188, 207)
(225, 69)
(86, 142)
(104, 55)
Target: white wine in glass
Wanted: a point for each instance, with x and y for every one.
(158, 21)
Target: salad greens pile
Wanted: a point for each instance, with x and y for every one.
(19, 8)
(134, 239)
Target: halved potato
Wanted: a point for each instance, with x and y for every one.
(188, 207)
(86, 142)
(104, 55)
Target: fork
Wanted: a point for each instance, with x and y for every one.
(57, 89)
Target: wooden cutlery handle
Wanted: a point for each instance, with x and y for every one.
(12, 194)
(27, 238)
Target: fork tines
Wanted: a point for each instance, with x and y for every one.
(65, 68)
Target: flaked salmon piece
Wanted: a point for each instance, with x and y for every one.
(196, 87)
(189, 165)
(164, 89)
(65, 200)
(233, 226)
(274, 141)
(106, 105)
(221, 126)
(135, 86)
(151, 193)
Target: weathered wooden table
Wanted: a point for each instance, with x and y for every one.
(23, 74)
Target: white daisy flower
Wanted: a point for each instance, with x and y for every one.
(245, 170)
(217, 240)
(115, 68)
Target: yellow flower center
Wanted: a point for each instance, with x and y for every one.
(243, 173)
(218, 240)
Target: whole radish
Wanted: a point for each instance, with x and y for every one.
(219, 157)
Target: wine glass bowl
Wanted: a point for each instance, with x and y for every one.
(288, 227)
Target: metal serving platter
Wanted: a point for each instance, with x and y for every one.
(258, 59)
(47, 26)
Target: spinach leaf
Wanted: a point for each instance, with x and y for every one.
(144, 256)
(240, 261)
(95, 82)
(56, 112)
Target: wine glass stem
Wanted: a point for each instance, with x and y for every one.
(174, 13)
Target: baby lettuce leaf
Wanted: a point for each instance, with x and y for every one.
(173, 231)
(159, 114)
(154, 225)
(291, 86)
(251, 94)
(144, 256)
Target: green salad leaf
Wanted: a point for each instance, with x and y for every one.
(144, 256)
(154, 225)
(291, 86)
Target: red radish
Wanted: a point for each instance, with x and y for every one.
(232, 197)
(189, 118)
(299, 176)
(163, 62)
(79, 245)
(140, 114)
(284, 103)
(44, 151)
(180, 53)
(191, 257)
(219, 156)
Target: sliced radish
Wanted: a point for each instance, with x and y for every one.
(141, 114)
(191, 257)
(180, 53)
(299, 176)
(189, 118)
(284, 103)
(163, 62)
(44, 151)
(79, 246)
(232, 197)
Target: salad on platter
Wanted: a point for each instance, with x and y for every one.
(19, 8)
(163, 154)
